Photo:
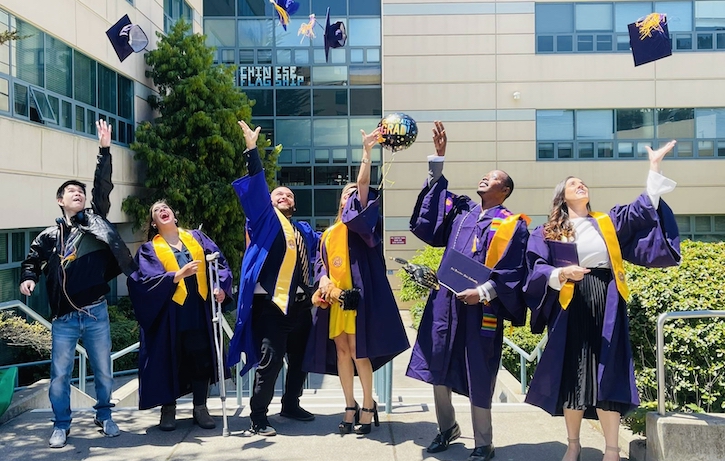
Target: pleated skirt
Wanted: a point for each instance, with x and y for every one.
(579, 384)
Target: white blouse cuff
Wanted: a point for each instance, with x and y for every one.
(658, 185)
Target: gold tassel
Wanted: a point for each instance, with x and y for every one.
(649, 24)
(284, 17)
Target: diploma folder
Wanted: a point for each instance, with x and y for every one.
(563, 253)
(458, 272)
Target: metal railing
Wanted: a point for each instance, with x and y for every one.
(661, 346)
(526, 357)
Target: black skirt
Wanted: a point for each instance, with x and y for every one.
(579, 384)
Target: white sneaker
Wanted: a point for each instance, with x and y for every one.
(110, 429)
(58, 438)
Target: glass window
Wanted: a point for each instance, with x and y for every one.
(554, 125)
(302, 156)
(329, 102)
(4, 95)
(373, 55)
(357, 124)
(3, 248)
(303, 201)
(29, 54)
(251, 8)
(42, 105)
(80, 119)
(564, 43)
(675, 123)
(683, 223)
(593, 16)
(363, 32)
(554, 18)
(683, 41)
(220, 7)
(84, 78)
(302, 56)
(264, 102)
(322, 156)
(705, 149)
(335, 75)
(362, 8)
(284, 157)
(295, 176)
(327, 201)
(284, 57)
(546, 150)
(337, 7)
(264, 56)
(545, 43)
(255, 32)
(292, 133)
(289, 38)
(365, 75)
(331, 175)
(91, 121)
(565, 150)
(604, 42)
(635, 123)
(58, 67)
(107, 88)
(594, 124)
(585, 43)
(246, 56)
(710, 15)
(719, 223)
(293, 102)
(366, 102)
(220, 32)
(625, 150)
(710, 123)
(605, 150)
(702, 224)
(21, 100)
(704, 41)
(339, 155)
(685, 149)
(357, 55)
(586, 150)
(125, 97)
(331, 132)
(629, 12)
(679, 15)
(5, 47)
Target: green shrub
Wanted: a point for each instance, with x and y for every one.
(694, 349)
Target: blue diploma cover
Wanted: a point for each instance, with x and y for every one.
(563, 253)
(458, 272)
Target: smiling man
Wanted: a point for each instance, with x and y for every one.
(460, 336)
(274, 308)
(79, 255)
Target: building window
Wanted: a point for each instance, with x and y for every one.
(175, 10)
(701, 228)
(626, 133)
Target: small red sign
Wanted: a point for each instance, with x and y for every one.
(397, 240)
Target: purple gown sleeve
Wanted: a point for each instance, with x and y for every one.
(364, 221)
(150, 287)
(539, 296)
(648, 237)
(428, 221)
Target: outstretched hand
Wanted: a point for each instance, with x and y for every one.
(656, 156)
(440, 140)
(369, 140)
(104, 133)
(250, 136)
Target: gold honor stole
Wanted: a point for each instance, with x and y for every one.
(283, 283)
(168, 260)
(338, 256)
(609, 234)
(496, 249)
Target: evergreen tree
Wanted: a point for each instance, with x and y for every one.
(194, 150)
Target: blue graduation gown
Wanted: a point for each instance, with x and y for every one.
(379, 331)
(450, 349)
(647, 237)
(263, 226)
(151, 288)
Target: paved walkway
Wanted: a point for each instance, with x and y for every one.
(521, 433)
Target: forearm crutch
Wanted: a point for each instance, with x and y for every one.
(216, 312)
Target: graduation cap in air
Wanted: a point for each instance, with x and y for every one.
(127, 38)
(649, 39)
(285, 9)
(335, 35)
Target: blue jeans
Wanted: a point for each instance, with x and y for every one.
(93, 327)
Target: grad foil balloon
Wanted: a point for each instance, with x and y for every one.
(398, 131)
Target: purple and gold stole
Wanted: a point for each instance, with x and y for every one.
(168, 260)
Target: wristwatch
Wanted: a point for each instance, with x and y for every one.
(365, 160)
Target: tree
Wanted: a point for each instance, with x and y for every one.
(6, 36)
(194, 149)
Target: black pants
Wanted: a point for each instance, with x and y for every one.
(278, 334)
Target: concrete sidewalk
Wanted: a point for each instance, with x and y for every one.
(521, 432)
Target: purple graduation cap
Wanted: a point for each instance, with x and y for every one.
(335, 35)
(127, 38)
(284, 9)
(649, 39)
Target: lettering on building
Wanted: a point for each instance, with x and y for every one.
(250, 76)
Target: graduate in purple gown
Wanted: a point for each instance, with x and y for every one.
(171, 297)
(357, 325)
(577, 288)
(460, 336)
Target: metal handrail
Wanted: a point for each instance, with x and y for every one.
(524, 356)
(661, 346)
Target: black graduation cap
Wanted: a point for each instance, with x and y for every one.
(335, 35)
(649, 39)
(127, 38)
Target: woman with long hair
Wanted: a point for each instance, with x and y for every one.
(171, 296)
(577, 288)
(357, 325)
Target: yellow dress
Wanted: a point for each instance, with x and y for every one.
(341, 321)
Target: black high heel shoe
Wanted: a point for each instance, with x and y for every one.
(344, 426)
(366, 428)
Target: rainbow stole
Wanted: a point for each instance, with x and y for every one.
(501, 231)
(168, 260)
(334, 240)
(609, 234)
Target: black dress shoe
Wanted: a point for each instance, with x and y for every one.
(298, 413)
(484, 453)
(442, 440)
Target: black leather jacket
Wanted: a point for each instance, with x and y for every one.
(45, 250)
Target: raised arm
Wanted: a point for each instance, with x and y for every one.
(363, 176)
(102, 184)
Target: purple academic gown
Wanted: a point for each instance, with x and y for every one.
(379, 331)
(151, 288)
(451, 349)
(647, 237)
